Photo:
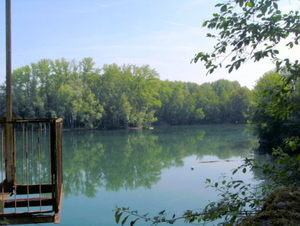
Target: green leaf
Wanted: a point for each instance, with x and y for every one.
(171, 221)
(235, 186)
(117, 212)
(224, 8)
(249, 4)
(162, 212)
(124, 220)
(117, 216)
(133, 222)
(244, 170)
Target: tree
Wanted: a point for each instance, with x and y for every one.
(239, 103)
(24, 93)
(252, 29)
(3, 101)
(263, 123)
(143, 95)
(207, 99)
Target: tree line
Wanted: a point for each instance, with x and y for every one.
(117, 96)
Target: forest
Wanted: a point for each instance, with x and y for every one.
(114, 96)
(118, 97)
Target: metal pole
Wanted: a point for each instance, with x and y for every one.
(9, 155)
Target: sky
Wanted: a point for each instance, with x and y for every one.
(164, 34)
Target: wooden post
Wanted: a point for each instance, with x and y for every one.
(9, 138)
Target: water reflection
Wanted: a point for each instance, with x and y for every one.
(130, 159)
(262, 156)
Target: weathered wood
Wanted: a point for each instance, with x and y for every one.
(31, 120)
(26, 213)
(54, 189)
(46, 201)
(59, 120)
(53, 161)
(32, 218)
(57, 214)
(9, 155)
(8, 60)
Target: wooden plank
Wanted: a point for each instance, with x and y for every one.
(14, 214)
(46, 201)
(57, 215)
(30, 120)
(35, 120)
(16, 218)
(34, 189)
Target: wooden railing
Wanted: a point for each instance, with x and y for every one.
(35, 193)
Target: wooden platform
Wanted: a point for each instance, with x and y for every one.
(26, 195)
(31, 217)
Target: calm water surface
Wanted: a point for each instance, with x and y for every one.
(148, 170)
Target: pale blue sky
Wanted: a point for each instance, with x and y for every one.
(162, 33)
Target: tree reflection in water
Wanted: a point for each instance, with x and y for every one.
(128, 159)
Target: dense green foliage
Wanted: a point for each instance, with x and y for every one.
(269, 127)
(120, 96)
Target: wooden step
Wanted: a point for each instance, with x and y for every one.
(34, 189)
(27, 218)
(43, 201)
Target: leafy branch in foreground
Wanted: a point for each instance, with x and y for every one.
(250, 29)
(160, 218)
(238, 199)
